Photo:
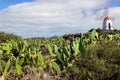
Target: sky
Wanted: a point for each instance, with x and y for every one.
(45, 18)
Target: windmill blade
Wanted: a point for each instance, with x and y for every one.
(99, 18)
(113, 18)
(106, 11)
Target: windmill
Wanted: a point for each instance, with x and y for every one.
(107, 20)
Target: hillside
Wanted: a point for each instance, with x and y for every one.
(94, 55)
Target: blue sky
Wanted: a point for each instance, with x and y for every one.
(6, 3)
(115, 3)
(37, 18)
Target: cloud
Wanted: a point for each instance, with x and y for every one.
(52, 17)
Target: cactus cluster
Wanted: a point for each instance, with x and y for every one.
(59, 54)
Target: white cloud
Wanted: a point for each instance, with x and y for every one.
(52, 17)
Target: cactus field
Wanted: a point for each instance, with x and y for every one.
(94, 55)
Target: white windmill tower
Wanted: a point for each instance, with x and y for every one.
(107, 20)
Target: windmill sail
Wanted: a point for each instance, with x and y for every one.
(106, 11)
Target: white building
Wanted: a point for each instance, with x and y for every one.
(107, 23)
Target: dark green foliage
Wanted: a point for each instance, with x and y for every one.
(5, 36)
(101, 62)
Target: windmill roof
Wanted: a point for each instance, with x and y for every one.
(107, 18)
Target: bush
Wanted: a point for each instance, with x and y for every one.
(101, 62)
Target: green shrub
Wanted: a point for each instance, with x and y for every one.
(101, 62)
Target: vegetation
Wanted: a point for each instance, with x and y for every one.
(6, 36)
(86, 56)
